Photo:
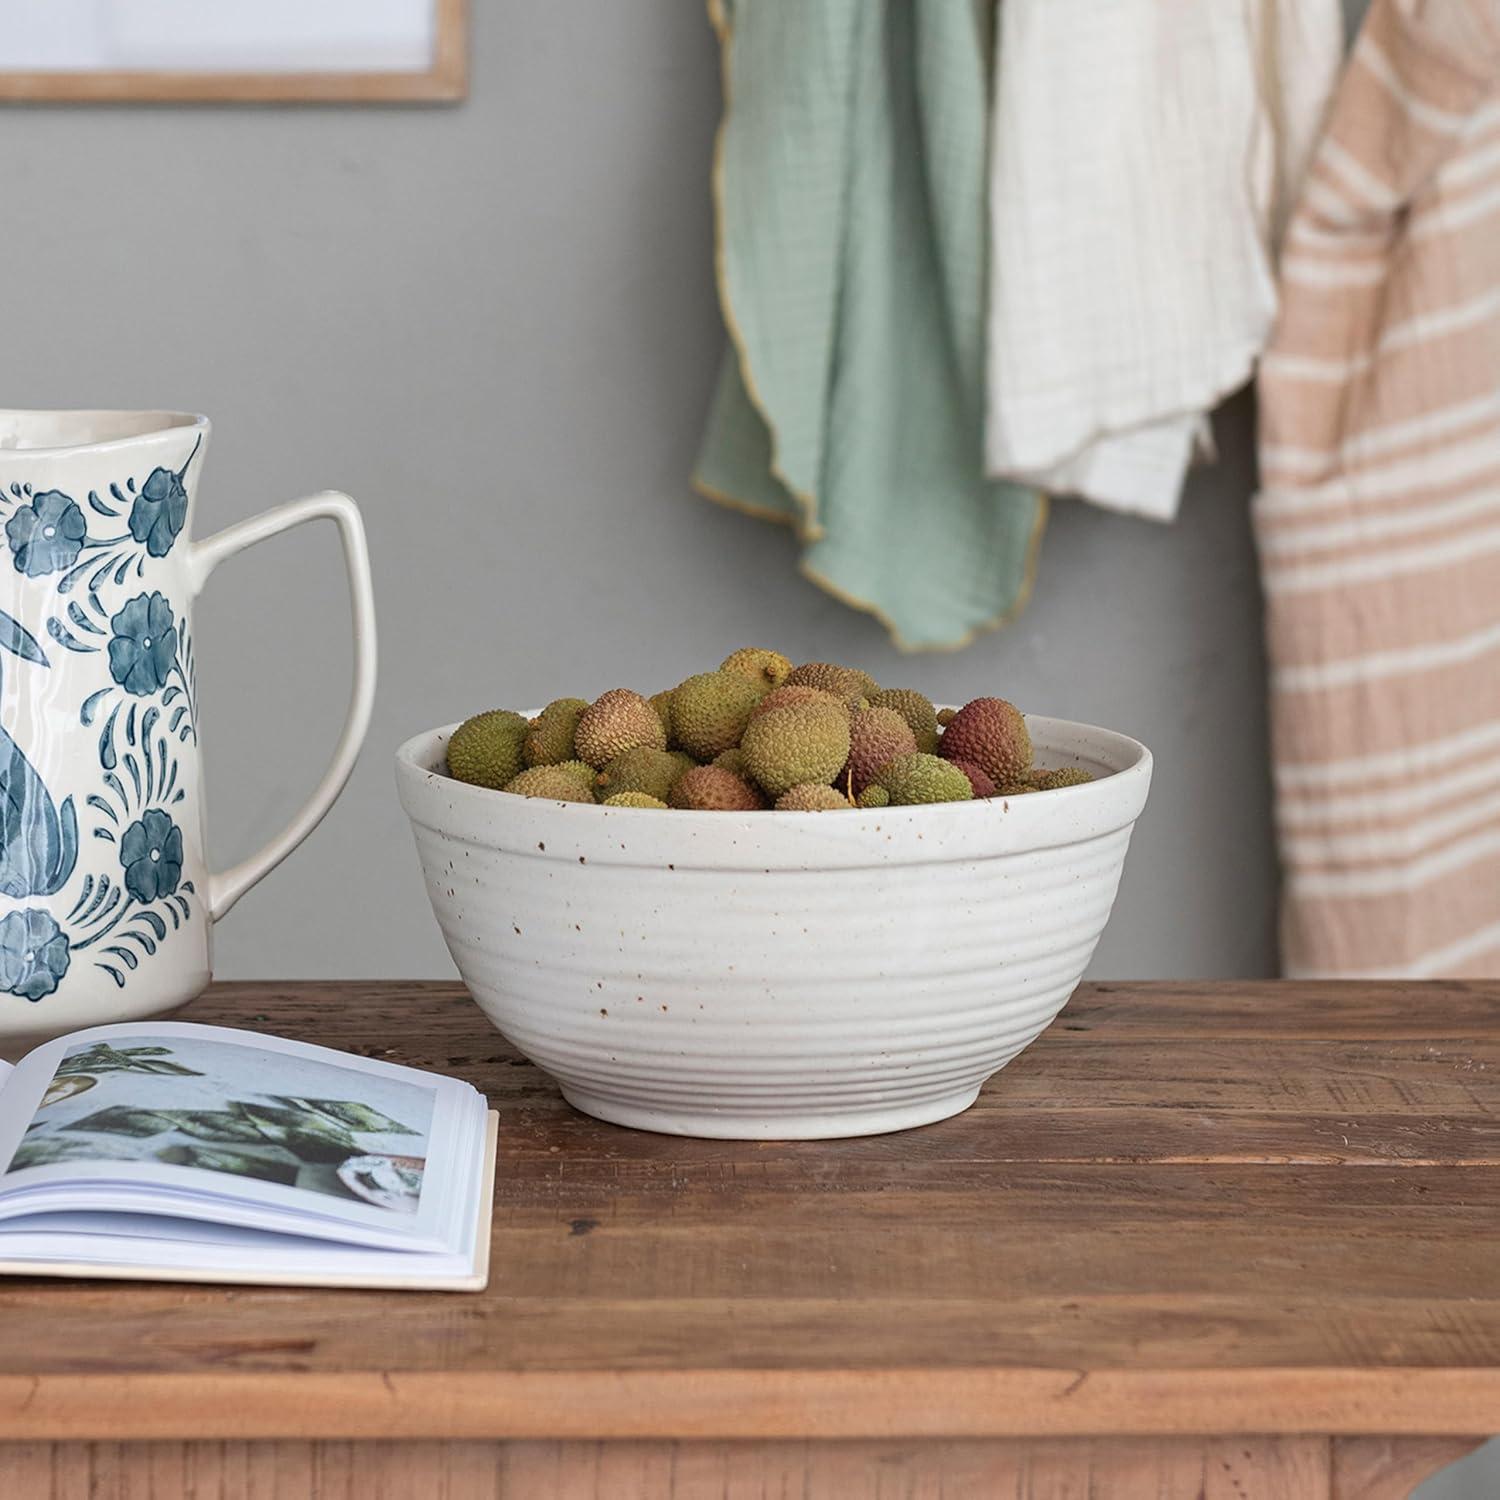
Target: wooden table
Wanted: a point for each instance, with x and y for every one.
(1200, 1240)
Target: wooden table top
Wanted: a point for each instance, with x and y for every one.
(1188, 1208)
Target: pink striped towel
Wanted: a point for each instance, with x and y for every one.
(1378, 522)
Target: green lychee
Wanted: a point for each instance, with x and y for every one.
(486, 750)
(550, 739)
(1051, 781)
(581, 773)
(662, 703)
(806, 742)
(808, 797)
(709, 712)
(915, 778)
(552, 782)
(643, 769)
(767, 669)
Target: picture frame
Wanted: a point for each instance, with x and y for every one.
(74, 52)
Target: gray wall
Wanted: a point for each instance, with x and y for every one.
(495, 326)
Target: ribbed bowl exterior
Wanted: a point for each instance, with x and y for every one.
(776, 975)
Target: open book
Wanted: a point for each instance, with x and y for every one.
(195, 1153)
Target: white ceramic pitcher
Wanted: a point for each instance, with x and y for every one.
(106, 903)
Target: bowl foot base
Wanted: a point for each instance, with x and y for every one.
(769, 1125)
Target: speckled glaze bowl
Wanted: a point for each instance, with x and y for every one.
(770, 975)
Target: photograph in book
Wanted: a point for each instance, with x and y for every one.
(237, 1109)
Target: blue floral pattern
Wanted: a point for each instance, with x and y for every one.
(160, 511)
(47, 535)
(34, 953)
(143, 646)
(124, 917)
(151, 856)
(38, 839)
(146, 709)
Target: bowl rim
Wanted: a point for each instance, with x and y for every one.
(1107, 803)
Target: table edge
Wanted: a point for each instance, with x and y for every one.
(761, 1403)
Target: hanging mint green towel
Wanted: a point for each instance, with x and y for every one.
(850, 191)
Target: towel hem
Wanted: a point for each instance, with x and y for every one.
(865, 606)
(1226, 378)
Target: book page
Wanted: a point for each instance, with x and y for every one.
(218, 1114)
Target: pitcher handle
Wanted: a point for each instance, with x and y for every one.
(226, 888)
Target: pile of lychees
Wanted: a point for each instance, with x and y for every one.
(757, 733)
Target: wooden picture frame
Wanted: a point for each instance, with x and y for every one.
(444, 81)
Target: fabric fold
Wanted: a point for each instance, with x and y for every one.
(1142, 156)
(1378, 521)
(850, 194)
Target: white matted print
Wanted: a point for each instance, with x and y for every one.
(232, 49)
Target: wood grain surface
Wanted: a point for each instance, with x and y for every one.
(1207, 1209)
(1046, 1469)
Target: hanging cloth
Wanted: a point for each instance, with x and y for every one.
(850, 195)
(1378, 522)
(1142, 157)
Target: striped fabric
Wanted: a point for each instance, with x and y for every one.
(1378, 521)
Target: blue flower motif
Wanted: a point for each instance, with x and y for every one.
(151, 854)
(47, 535)
(33, 953)
(144, 644)
(159, 512)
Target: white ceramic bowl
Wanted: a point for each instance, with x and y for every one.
(775, 975)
